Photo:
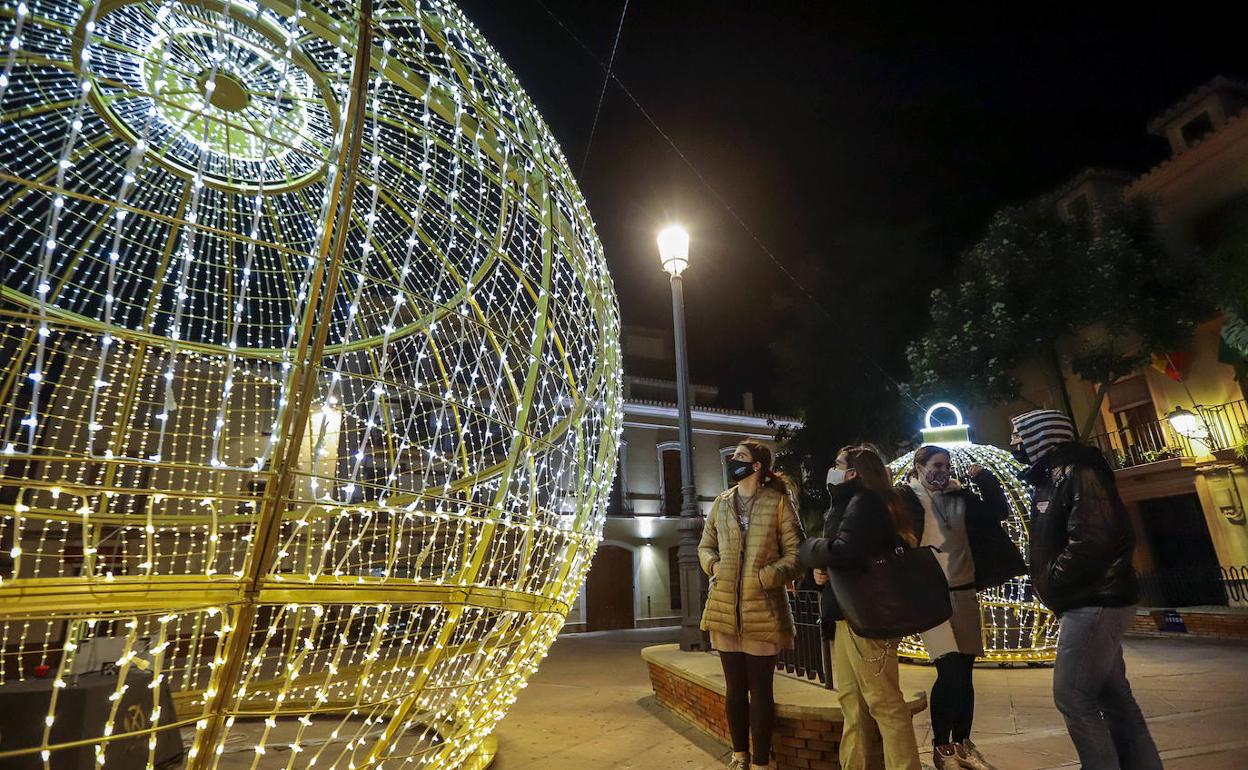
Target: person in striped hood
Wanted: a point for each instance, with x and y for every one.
(1081, 548)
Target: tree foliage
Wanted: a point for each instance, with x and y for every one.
(1222, 234)
(1104, 287)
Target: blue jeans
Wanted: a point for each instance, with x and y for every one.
(1091, 690)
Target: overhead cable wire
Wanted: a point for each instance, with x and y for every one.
(710, 188)
(602, 95)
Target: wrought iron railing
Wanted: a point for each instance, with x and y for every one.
(1148, 442)
(1224, 426)
(1194, 586)
(811, 656)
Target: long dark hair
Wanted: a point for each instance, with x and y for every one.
(762, 454)
(875, 477)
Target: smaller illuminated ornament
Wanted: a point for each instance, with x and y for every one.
(1017, 628)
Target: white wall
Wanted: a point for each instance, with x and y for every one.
(644, 471)
(648, 538)
(647, 533)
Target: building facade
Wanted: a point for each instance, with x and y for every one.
(634, 581)
(1175, 432)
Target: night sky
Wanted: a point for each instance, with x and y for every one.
(866, 143)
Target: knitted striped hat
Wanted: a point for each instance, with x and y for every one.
(1042, 430)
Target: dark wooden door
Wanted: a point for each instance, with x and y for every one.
(609, 590)
(1186, 565)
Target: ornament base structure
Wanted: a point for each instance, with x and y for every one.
(1017, 627)
(313, 388)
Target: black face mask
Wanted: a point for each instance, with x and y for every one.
(1020, 454)
(739, 470)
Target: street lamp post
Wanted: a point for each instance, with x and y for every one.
(674, 252)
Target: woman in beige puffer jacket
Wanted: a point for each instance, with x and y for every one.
(749, 548)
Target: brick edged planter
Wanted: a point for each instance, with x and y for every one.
(1225, 623)
(808, 719)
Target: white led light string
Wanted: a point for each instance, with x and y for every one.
(188, 238)
(13, 45)
(253, 232)
(366, 249)
(49, 245)
(133, 160)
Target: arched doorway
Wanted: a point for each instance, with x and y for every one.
(609, 590)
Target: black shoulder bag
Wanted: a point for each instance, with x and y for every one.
(901, 592)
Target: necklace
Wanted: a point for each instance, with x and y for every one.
(939, 507)
(745, 507)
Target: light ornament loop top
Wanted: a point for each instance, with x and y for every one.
(957, 434)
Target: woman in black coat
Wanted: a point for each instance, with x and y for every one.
(872, 517)
(839, 494)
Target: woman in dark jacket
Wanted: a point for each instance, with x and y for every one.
(874, 516)
(839, 494)
(974, 552)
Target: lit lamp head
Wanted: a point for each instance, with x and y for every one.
(958, 434)
(1185, 423)
(674, 249)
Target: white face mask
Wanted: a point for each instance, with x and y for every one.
(836, 476)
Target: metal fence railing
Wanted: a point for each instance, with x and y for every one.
(1195, 586)
(811, 656)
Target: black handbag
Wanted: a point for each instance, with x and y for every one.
(997, 559)
(901, 592)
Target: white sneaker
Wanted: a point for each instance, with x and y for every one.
(738, 763)
(970, 757)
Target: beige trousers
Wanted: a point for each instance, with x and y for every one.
(865, 671)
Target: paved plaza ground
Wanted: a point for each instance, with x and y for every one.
(591, 706)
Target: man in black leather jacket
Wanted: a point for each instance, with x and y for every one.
(1081, 548)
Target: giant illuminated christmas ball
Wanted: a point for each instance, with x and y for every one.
(311, 385)
(1017, 627)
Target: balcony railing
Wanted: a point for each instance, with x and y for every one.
(1149, 442)
(1224, 426)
